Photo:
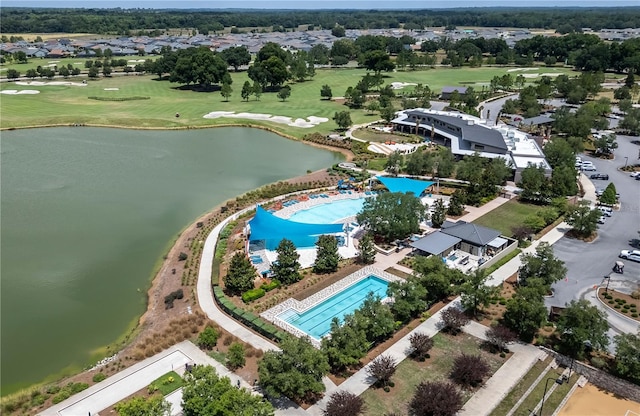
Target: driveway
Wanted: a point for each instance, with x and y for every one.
(588, 263)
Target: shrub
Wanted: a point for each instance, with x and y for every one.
(236, 356)
(421, 344)
(453, 319)
(168, 300)
(208, 338)
(182, 256)
(267, 287)
(634, 315)
(435, 398)
(611, 302)
(344, 403)
(469, 370)
(253, 294)
(598, 362)
(617, 306)
(499, 336)
(98, 377)
(382, 368)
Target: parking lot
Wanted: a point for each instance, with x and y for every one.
(588, 263)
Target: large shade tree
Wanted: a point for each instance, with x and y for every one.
(543, 265)
(393, 215)
(206, 393)
(627, 362)
(199, 66)
(582, 326)
(295, 371)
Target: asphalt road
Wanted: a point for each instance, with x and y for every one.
(588, 263)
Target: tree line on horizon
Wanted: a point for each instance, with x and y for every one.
(132, 21)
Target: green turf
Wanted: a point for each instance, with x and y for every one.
(168, 383)
(553, 401)
(519, 389)
(409, 373)
(507, 216)
(70, 104)
(33, 63)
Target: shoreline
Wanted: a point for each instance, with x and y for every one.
(142, 325)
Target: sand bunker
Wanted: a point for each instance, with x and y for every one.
(53, 62)
(401, 85)
(522, 69)
(19, 92)
(310, 121)
(112, 89)
(42, 84)
(134, 60)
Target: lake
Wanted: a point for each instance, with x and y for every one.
(88, 212)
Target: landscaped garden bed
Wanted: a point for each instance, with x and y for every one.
(621, 302)
(438, 367)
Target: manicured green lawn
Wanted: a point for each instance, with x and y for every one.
(519, 389)
(410, 373)
(70, 104)
(507, 216)
(168, 383)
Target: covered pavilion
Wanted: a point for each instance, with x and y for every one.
(405, 185)
(271, 229)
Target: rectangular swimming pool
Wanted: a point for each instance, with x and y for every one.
(316, 321)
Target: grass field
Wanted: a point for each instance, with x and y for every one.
(519, 389)
(33, 63)
(70, 104)
(410, 373)
(507, 215)
(553, 401)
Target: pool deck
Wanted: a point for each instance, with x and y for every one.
(272, 314)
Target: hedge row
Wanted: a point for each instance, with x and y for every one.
(267, 287)
(253, 294)
(247, 318)
(134, 98)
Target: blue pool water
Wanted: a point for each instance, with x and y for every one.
(330, 212)
(317, 321)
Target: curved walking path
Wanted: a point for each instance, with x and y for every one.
(205, 291)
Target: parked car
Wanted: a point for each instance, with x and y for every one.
(606, 211)
(603, 176)
(588, 168)
(599, 191)
(602, 219)
(633, 255)
(635, 174)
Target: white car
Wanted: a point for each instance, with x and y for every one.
(606, 211)
(633, 255)
(635, 174)
(588, 168)
(602, 219)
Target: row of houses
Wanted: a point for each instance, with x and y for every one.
(298, 40)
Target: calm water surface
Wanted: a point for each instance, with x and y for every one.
(87, 212)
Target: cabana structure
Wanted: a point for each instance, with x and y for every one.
(271, 229)
(405, 185)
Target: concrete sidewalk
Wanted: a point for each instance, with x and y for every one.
(121, 385)
(205, 292)
(508, 375)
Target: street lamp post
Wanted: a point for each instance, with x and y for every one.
(626, 159)
(546, 384)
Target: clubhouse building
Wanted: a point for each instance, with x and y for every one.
(466, 135)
